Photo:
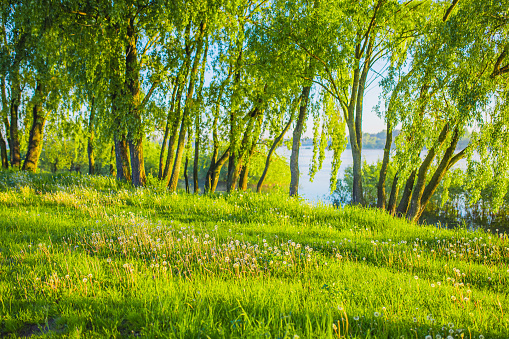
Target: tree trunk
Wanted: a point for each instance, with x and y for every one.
(197, 127)
(3, 152)
(394, 195)
(415, 201)
(407, 194)
(383, 171)
(14, 135)
(297, 133)
(243, 181)
(196, 154)
(354, 118)
(187, 110)
(122, 158)
(166, 133)
(231, 180)
(214, 175)
(275, 144)
(36, 133)
(170, 157)
(186, 179)
(181, 83)
(112, 157)
(215, 138)
(54, 166)
(90, 145)
(447, 161)
(5, 109)
(134, 136)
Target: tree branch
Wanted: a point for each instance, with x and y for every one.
(449, 10)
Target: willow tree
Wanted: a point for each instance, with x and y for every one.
(344, 42)
(454, 84)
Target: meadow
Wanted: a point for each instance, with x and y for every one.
(84, 256)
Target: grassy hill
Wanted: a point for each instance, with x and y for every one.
(85, 256)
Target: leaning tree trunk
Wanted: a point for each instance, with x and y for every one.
(214, 176)
(275, 144)
(383, 171)
(172, 144)
(418, 190)
(407, 194)
(231, 179)
(391, 208)
(36, 134)
(215, 137)
(167, 132)
(448, 160)
(244, 173)
(181, 81)
(187, 110)
(297, 133)
(90, 145)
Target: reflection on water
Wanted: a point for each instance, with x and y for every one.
(319, 189)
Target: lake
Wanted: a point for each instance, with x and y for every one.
(319, 190)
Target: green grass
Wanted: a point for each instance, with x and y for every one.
(89, 257)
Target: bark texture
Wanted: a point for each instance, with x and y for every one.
(297, 133)
(135, 137)
(122, 158)
(90, 143)
(383, 171)
(36, 133)
(187, 111)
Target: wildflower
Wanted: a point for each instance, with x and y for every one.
(377, 314)
(432, 285)
(453, 298)
(356, 318)
(416, 278)
(84, 280)
(428, 337)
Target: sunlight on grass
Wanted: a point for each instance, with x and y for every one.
(86, 256)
